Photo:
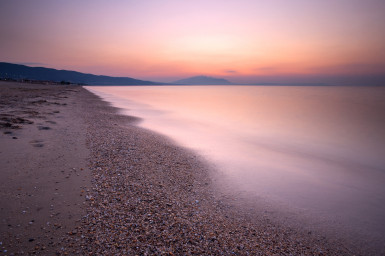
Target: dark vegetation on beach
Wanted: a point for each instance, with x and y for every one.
(19, 109)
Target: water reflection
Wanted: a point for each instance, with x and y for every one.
(315, 148)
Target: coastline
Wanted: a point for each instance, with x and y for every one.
(148, 195)
(152, 196)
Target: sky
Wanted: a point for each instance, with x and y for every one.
(244, 41)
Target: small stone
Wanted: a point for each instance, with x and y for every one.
(44, 128)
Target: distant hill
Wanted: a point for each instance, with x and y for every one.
(203, 80)
(16, 71)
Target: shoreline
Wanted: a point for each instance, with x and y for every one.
(163, 198)
(151, 196)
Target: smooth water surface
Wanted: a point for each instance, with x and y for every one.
(318, 149)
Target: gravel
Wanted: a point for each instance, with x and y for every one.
(152, 197)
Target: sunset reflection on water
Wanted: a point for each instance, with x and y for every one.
(314, 148)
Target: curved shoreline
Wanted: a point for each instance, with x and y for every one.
(148, 195)
(152, 196)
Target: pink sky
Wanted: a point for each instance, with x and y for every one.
(166, 40)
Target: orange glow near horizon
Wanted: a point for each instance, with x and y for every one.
(152, 39)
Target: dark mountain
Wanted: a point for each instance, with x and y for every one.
(203, 80)
(16, 71)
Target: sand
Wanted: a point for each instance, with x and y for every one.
(43, 169)
(84, 180)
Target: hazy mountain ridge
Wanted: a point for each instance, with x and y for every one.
(203, 80)
(17, 71)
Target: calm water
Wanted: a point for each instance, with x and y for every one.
(318, 149)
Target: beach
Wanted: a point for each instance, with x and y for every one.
(44, 174)
(79, 178)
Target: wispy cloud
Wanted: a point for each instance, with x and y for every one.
(231, 71)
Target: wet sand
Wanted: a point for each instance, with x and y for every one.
(43, 170)
(117, 189)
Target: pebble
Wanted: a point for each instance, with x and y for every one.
(151, 197)
(140, 201)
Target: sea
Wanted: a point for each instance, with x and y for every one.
(318, 150)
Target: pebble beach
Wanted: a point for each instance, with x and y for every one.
(133, 192)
